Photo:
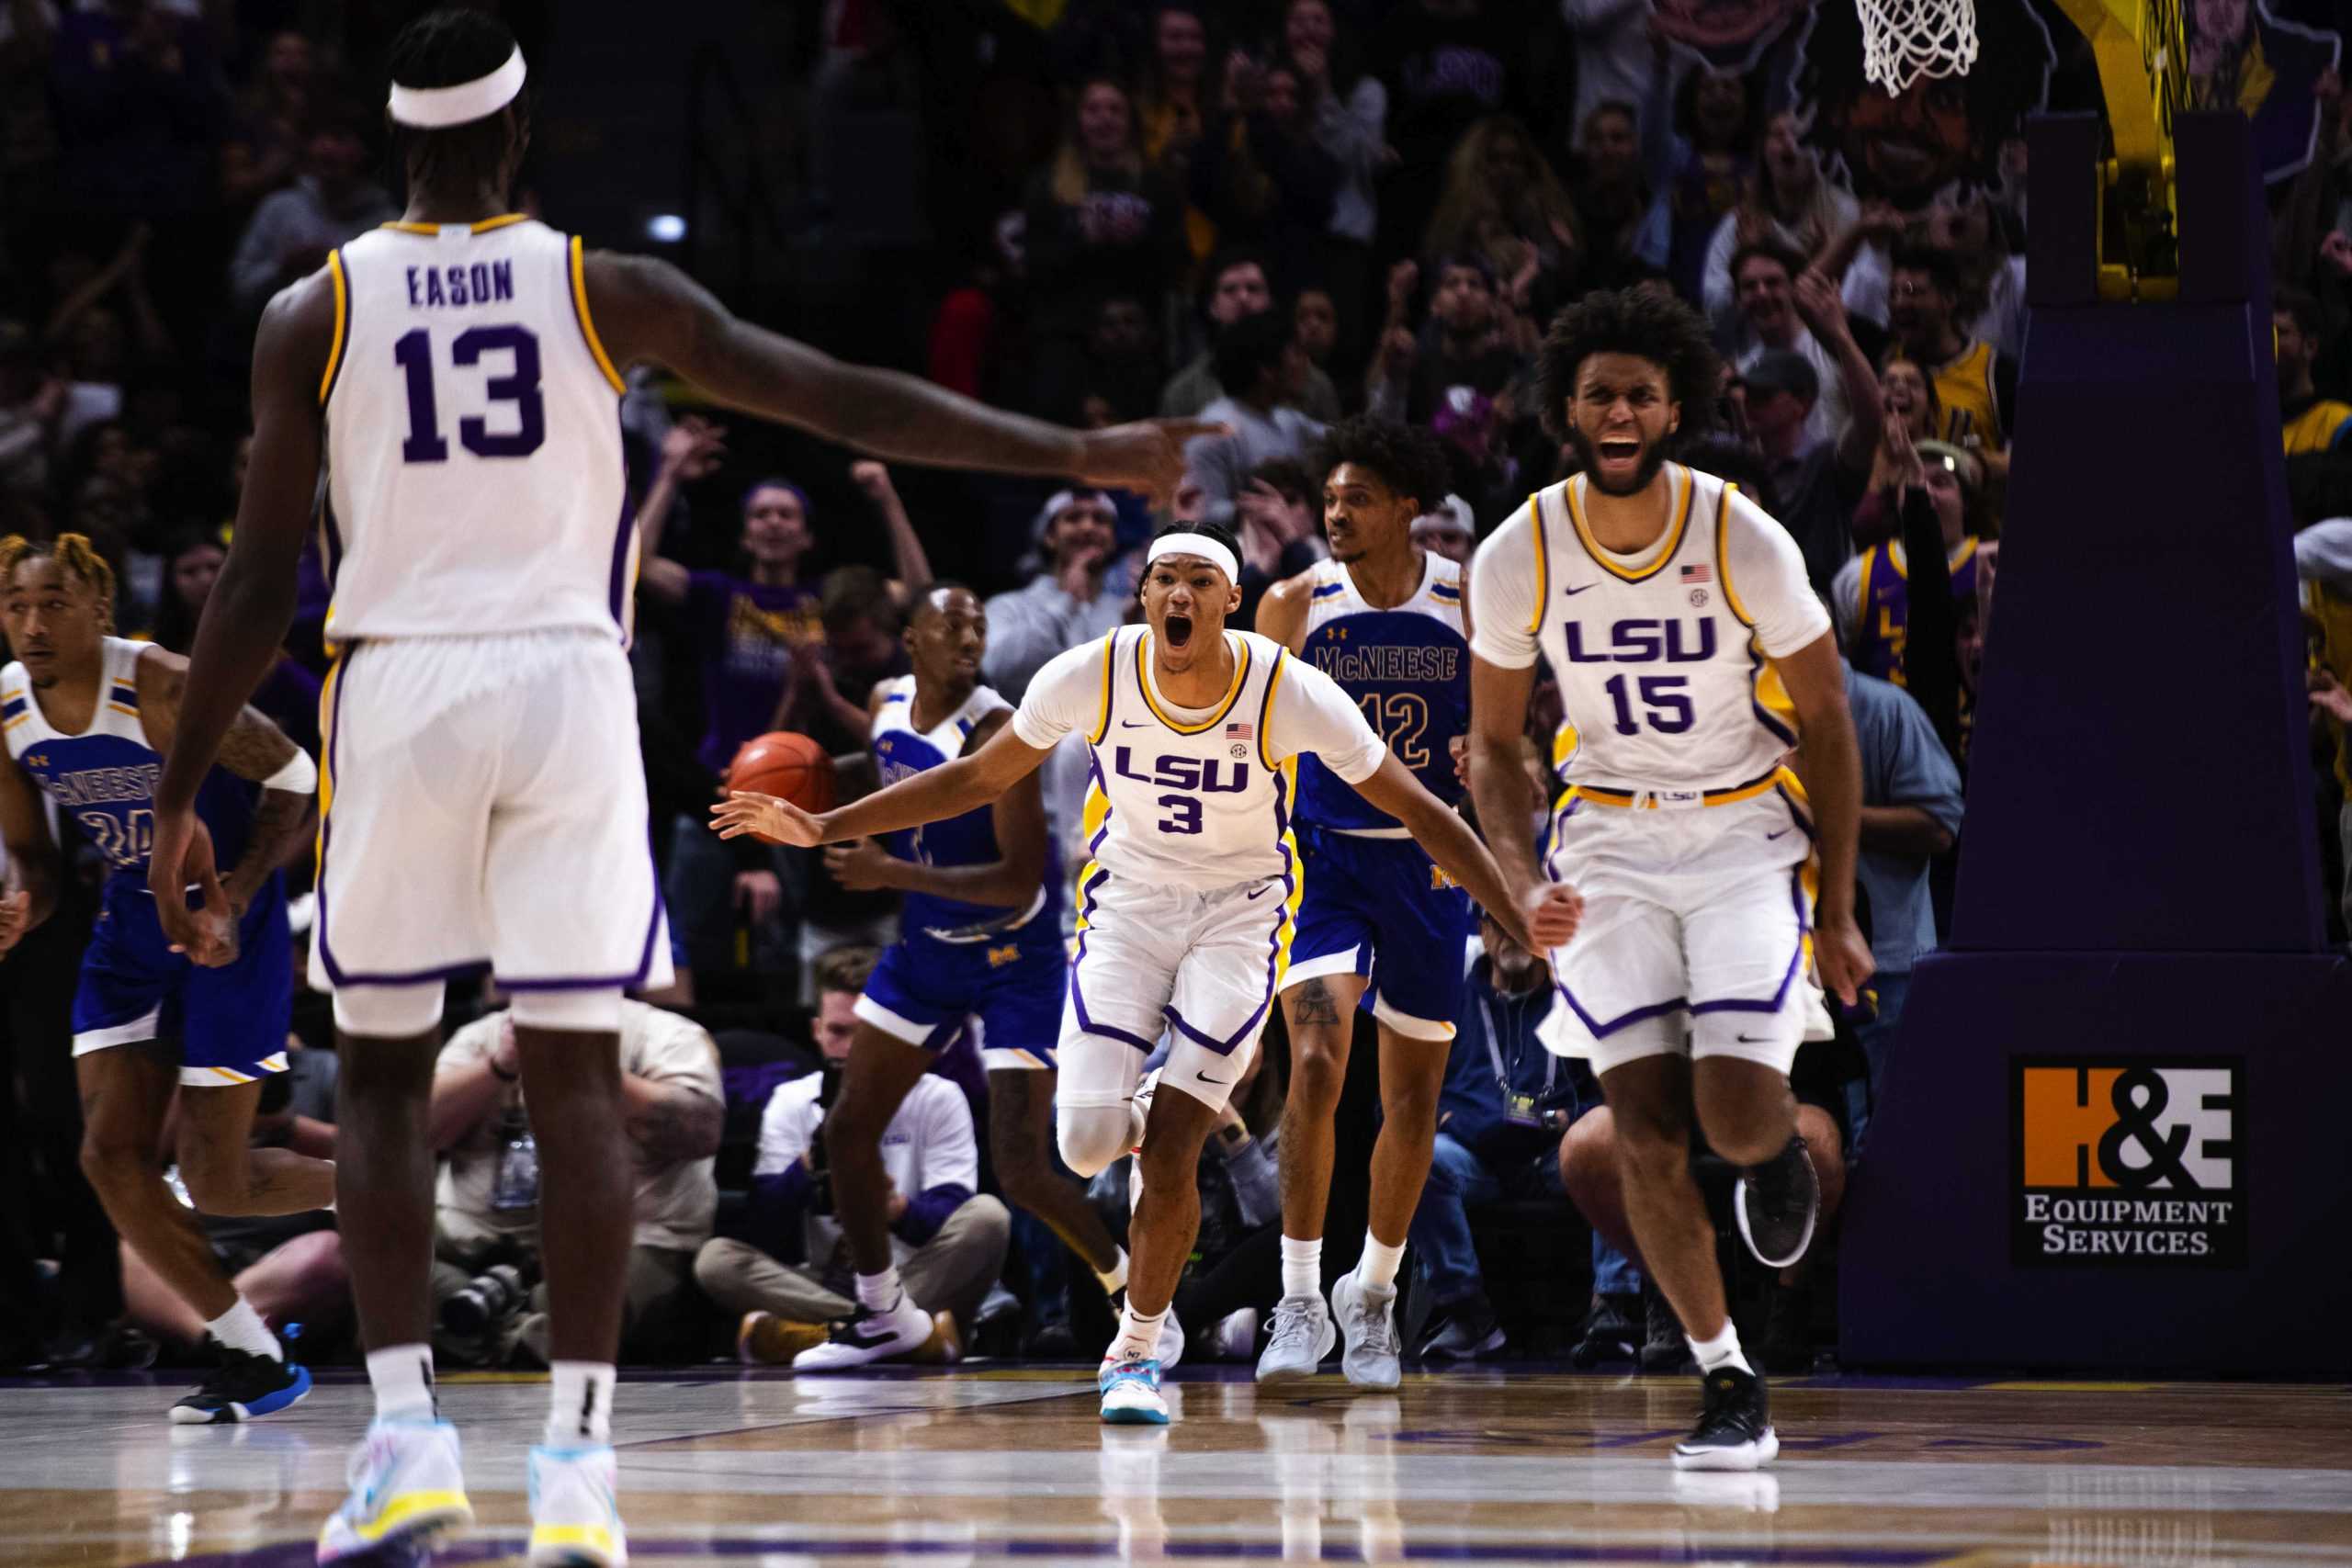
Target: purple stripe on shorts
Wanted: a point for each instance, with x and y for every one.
(1602, 1031)
(1779, 994)
(1078, 998)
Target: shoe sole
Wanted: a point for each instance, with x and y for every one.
(234, 1414)
(422, 1535)
(1811, 1218)
(1747, 1455)
(573, 1547)
(1133, 1415)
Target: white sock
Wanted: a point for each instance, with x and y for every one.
(1376, 1269)
(403, 1375)
(1114, 1278)
(1302, 1267)
(580, 1413)
(240, 1328)
(1722, 1350)
(1138, 1339)
(879, 1292)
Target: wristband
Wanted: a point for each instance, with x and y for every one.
(299, 776)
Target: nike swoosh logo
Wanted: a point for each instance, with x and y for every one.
(1781, 834)
(1753, 1039)
(1254, 892)
(1572, 592)
(1220, 1083)
(1135, 724)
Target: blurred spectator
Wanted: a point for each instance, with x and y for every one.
(288, 1266)
(1101, 221)
(977, 339)
(1350, 108)
(1765, 273)
(1611, 195)
(1975, 384)
(2324, 563)
(947, 1237)
(288, 695)
(140, 106)
(1503, 207)
(1903, 618)
(292, 230)
(1316, 315)
(1447, 64)
(1785, 201)
(1705, 152)
(1506, 1104)
(1238, 288)
(32, 401)
(1816, 484)
(273, 122)
(1120, 379)
(1462, 345)
(486, 1203)
(1261, 173)
(1450, 531)
(1263, 368)
(92, 334)
(1278, 517)
(1911, 811)
(1990, 299)
(2308, 422)
(1908, 398)
(1181, 86)
(1616, 55)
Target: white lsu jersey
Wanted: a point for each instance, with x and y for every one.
(473, 444)
(1195, 799)
(1661, 658)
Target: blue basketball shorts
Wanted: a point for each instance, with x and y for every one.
(927, 992)
(1382, 910)
(229, 1023)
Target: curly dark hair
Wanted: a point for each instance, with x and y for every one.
(1646, 322)
(441, 49)
(1406, 457)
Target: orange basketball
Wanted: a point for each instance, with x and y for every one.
(789, 766)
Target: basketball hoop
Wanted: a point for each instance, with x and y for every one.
(1905, 40)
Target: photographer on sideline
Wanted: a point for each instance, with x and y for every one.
(947, 1237)
(486, 1224)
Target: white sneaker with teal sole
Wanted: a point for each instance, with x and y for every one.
(1131, 1395)
(1298, 1339)
(575, 1510)
(408, 1494)
(1367, 1316)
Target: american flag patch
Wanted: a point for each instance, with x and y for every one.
(1238, 732)
(1699, 573)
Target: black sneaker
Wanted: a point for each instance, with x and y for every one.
(246, 1385)
(1470, 1330)
(1776, 1204)
(1665, 1347)
(1735, 1429)
(1610, 1334)
(1788, 1328)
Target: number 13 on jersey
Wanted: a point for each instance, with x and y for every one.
(523, 431)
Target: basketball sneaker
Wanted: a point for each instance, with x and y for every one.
(575, 1516)
(408, 1492)
(1470, 1330)
(1665, 1347)
(1131, 1395)
(243, 1386)
(1298, 1337)
(1735, 1429)
(1368, 1319)
(867, 1337)
(1170, 1348)
(1610, 1334)
(764, 1339)
(1776, 1204)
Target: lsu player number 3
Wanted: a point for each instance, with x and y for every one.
(1186, 908)
(1678, 619)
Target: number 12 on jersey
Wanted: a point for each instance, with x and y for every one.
(519, 386)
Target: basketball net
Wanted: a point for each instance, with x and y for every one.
(1905, 40)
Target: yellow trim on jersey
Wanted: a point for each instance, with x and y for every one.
(1286, 780)
(342, 323)
(1542, 563)
(126, 712)
(500, 222)
(1266, 714)
(326, 758)
(1143, 683)
(1732, 796)
(1954, 559)
(588, 326)
(1103, 719)
(1564, 746)
(400, 228)
(1722, 556)
(1673, 542)
(434, 230)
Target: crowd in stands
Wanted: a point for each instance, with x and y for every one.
(1267, 215)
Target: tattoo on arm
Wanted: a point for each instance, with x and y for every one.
(1315, 1004)
(255, 747)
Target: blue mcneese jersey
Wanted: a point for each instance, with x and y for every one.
(900, 750)
(1408, 668)
(105, 777)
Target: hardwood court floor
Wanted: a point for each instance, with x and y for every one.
(988, 1467)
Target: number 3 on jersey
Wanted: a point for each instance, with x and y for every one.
(518, 387)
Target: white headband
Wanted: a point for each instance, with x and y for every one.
(1199, 545)
(430, 109)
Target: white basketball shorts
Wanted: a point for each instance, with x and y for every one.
(1696, 937)
(1202, 966)
(483, 807)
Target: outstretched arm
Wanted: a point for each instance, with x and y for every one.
(949, 790)
(648, 309)
(1010, 881)
(1549, 922)
(245, 620)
